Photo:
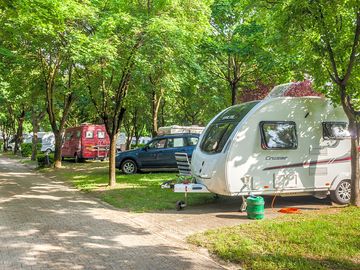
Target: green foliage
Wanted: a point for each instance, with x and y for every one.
(26, 149)
(306, 30)
(44, 160)
(308, 241)
(140, 145)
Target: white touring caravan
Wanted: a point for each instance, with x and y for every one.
(48, 142)
(281, 145)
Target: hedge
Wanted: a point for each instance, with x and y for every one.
(26, 149)
(42, 160)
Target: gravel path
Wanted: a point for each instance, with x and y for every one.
(44, 224)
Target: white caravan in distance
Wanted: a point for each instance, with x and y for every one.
(278, 146)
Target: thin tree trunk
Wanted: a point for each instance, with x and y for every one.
(155, 112)
(233, 87)
(35, 121)
(34, 142)
(112, 167)
(19, 132)
(5, 143)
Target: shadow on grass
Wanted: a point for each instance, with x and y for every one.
(287, 262)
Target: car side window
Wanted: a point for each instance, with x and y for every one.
(156, 144)
(193, 140)
(175, 142)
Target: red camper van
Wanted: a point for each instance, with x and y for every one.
(86, 142)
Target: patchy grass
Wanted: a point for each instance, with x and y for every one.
(23, 160)
(10, 154)
(307, 241)
(138, 192)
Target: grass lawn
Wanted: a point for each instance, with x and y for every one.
(138, 192)
(314, 240)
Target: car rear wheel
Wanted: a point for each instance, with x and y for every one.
(342, 193)
(129, 166)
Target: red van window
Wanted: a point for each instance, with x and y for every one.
(101, 134)
(68, 136)
(89, 134)
(78, 133)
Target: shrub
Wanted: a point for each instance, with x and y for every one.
(26, 149)
(140, 145)
(42, 160)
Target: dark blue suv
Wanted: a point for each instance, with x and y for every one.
(159, 153)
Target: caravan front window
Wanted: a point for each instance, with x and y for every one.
(218, 133)
(278, 135)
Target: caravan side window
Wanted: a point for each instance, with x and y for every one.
(335, 130)
(278, 135)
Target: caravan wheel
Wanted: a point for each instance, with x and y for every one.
(342, 193)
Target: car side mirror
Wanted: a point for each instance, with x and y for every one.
(146, 148)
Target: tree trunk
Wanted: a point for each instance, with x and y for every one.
(19, 132)
(355, 173)
(5, 138)
(112, 167)
(233, 87)
(34, 142)
(155, 124)
(156, 101)
(58, 144)
(128, 141)
(35, 122)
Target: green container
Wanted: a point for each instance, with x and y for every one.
(255, 207)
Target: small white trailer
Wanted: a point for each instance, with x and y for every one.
(284, 146)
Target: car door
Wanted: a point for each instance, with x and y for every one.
(148, 156)
(173, 145)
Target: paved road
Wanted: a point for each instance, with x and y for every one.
(44, 224)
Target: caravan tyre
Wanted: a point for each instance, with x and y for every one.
(129, 166)
(180, 205)
(342, 193)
